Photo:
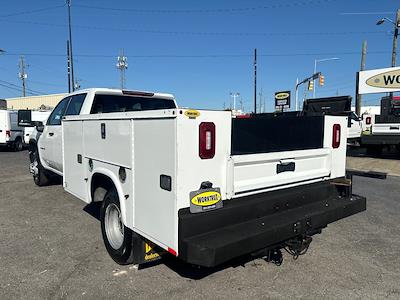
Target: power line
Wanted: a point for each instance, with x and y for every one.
(367, 13)
(17, 86)
(198, 55)
(206, 10)
(32, 11)
(202, 33)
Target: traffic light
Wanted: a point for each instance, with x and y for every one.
(321, 80)
(311, 85)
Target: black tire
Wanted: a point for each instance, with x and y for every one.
(123, 254)
(374, 150)
(40, 178)
(18, 145)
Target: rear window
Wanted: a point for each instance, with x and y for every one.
(123, 103)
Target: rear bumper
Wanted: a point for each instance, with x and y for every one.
(260, 221)
(380, 139)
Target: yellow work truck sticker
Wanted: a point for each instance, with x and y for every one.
(192, 113)
(204, 200)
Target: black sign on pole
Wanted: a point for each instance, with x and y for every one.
(282, 100)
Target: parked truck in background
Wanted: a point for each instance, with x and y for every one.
(339, 106)
(11, 134)
(198, 184)
(28, 117)
(382, 130)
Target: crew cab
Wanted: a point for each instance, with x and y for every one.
(197, 184)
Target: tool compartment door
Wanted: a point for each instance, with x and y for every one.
(74, 171)
(154, 155)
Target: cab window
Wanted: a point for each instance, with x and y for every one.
(75, 105)
(58, 112)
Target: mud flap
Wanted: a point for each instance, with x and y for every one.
(145, 251)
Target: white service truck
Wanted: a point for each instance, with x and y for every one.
(382, 130)
(198, 184)
(11, 134)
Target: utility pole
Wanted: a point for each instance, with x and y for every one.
(362, 68)
(255, 80)
(297, 94)
(22, 75)
(71, 57)
(68, 68)
(395, 36)
(122, 65)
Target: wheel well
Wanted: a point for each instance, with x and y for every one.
(100, 180)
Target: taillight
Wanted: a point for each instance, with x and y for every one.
(206, 140)
(336, 136)
(368, 120)
(8, 133)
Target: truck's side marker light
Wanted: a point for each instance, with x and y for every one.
(8, 133)
(368, 120)
(172, 251)
(206, 140)
(336, 136)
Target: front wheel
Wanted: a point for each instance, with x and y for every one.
(39, 173)
(118, 239)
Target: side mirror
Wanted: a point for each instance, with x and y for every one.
(39, 125)
(25, 118)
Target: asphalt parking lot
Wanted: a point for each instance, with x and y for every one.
(51, 247)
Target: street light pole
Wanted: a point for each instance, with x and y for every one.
(315, 69)
(396, 24)
(395, 35)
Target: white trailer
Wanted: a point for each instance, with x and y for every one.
(11, 135)
(200, 185)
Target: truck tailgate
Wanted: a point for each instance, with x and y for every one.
(270, 153)
(255, 172)
(388, 128)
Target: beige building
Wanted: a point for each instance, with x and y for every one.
(34, 102)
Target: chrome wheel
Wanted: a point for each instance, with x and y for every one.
(114, 227)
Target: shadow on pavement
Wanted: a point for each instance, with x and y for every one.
(180, 267)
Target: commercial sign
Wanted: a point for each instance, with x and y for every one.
(282, 100)
(379, 81)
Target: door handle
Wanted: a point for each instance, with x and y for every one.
(51, 133)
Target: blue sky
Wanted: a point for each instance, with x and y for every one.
(198, 50)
